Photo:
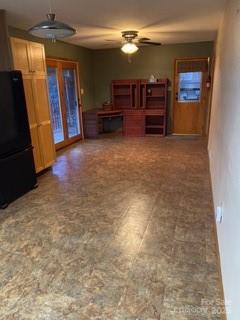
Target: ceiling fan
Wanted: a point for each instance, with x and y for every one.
(130, 46)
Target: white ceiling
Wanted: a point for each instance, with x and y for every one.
(100, 21)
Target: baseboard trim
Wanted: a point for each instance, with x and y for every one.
(187, 134)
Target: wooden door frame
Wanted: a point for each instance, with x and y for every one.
(174, 90)
(56, 62)
(210, 94)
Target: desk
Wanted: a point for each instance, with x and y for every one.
(137, 122)
(91, 120)
(141, 104)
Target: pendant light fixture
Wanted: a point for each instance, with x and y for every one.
(51, 28)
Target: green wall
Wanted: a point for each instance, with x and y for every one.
(68, 51)
(110, 64)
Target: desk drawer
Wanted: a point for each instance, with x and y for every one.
(160, 112)
(134, 132)
(133, 123)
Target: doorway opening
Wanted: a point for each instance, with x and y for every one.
(64, 95)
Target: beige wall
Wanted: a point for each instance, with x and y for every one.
(224, 152)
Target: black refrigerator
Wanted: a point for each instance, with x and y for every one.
(17, 171)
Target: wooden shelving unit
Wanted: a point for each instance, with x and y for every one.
(144, 105)
(155, 122)
(156, 107)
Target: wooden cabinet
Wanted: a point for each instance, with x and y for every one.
(21, 58)
(133, 123)
(37, 58)
(33, 122)
(155, 122)
(90, 120)
(29, 57)
(144, 105)
(44, 122)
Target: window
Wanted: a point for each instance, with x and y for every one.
(190, 84)
(56, 112)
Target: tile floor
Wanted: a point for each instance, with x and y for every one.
(120, 229)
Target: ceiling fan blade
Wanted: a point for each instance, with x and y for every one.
(151, 43)
(143, 39)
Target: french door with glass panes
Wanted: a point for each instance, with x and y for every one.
(65, 104)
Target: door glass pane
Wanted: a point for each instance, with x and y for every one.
(70, 92)
(190, 84)
(56, 113)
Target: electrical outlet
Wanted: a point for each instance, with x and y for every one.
(82, 91)
(219, 214)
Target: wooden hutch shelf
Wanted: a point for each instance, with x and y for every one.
(147, 112)
(124, 94)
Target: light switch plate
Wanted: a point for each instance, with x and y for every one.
(219, 214)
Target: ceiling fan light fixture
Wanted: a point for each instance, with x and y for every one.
(52, 29)
(129, 48)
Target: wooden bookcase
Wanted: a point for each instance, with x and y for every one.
(144, 105)
(154, 99)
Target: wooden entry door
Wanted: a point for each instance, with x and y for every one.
(66, 113)
(190, 96)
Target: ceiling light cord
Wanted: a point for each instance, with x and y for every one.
(50, 6)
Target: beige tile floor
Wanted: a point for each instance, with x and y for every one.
(119, 229)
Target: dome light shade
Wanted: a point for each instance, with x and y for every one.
(129, 48)
(52, 29)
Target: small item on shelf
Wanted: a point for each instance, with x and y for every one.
(152, 79)
(149, 91)
(107, 105)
